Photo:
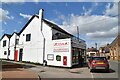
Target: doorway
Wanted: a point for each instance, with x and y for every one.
(20, 54)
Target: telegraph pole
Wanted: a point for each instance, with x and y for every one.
(96, 45)
(78, 32)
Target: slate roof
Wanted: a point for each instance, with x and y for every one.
(8, 35)
(116, 40)
(54, 26)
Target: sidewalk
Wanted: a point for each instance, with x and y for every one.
(18, 74)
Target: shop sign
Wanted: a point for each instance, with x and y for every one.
(50, 57)
(61, 47)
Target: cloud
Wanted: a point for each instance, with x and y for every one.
(89, 25)
(95, 28)
(89, 11)
(14, 1)
(19, 22)
(103, 34)
(15, 30)
(5, 23)
(25, 16)
(10, 1)
(4, 15)
(113, 11)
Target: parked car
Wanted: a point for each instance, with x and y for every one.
(88, 58)
(98, 63)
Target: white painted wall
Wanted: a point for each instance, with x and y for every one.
(4, 48)
(32, 50)
(12, 45)
(68, 54)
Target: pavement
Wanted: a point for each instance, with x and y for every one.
(18, 74)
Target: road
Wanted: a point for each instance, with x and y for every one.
(111, 75)
(83, 73)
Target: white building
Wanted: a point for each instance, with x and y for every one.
(41, 41)
(4, 46)
(13, 42)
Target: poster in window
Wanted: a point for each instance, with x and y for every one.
(50, 57)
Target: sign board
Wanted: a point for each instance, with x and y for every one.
(61, 46)
(50, 57)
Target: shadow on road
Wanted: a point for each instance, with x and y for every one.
(103, 71)
(11, 69)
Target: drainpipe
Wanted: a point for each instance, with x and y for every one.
(15, 46)
(8, 49)
(41, 28)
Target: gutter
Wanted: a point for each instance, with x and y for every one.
(8, 49)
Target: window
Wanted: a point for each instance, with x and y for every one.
(5, 52)
(58, 58)
(98, 58)
(28, 37)
(17, 41)
(4, 43)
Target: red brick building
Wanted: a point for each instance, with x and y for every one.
(104, 51)
(115, 48)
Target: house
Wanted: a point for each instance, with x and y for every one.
(41, 41)
(14, 40)
(105, 51)
(92, 52)
(115, 48)
(4, 47)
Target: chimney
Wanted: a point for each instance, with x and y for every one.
(41, 17)
(41, 13)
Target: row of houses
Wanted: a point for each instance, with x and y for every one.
(41, 41)
(112, 50)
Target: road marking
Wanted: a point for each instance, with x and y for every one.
(91, 75)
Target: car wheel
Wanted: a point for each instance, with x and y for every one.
(91, 70)
(88, 67)
(107, 70)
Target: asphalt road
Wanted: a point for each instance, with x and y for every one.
(113, 74)
(82, 73)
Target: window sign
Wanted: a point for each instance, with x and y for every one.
(61, 47)
(58, 58)
(50, 57)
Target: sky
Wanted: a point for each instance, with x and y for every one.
(97, 21)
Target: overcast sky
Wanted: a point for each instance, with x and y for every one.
(97, 21)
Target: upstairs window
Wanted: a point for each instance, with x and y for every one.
(17, 41)
(4, 43)
(28, 37)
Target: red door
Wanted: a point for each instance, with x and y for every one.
(65, 60)
(16, 55)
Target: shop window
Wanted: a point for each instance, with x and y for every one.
(4, 43)
(5, 52)
(59, 35)
(75, 55)
(28, 37)
(58, 58)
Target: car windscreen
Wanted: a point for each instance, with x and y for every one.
(99, 58)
